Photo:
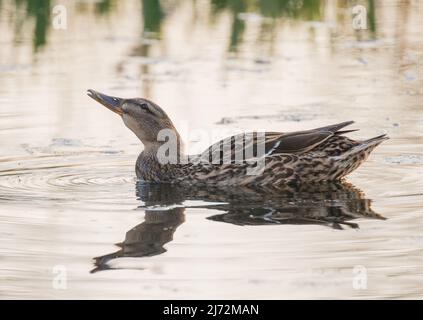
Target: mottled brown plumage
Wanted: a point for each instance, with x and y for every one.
(256, 158)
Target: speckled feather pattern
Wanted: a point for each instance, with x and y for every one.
(307, 157)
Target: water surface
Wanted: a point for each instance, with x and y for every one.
(68, 192)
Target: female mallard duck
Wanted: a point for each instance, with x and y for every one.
(259, 158)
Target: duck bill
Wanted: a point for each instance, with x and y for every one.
(112, 103)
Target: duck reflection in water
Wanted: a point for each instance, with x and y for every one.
(333, 205)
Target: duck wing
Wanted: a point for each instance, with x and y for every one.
(235, 147)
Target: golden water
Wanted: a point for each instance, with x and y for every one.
(67, 186)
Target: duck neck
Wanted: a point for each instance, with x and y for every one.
(164, 152)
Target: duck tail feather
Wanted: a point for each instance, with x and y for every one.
(375, 141)
(338, 133)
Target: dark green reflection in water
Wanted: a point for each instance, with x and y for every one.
(104, 6)
(38, 10)
(371, 16)
(299, 9)
(271, 9)
(153, 16)
(237, 28)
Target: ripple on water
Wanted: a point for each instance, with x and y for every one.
(405, 159)
(87, 175)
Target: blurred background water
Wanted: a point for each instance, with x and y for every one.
(67, 184)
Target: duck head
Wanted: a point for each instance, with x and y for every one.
(145, 118)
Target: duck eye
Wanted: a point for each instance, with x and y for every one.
(144, 106)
